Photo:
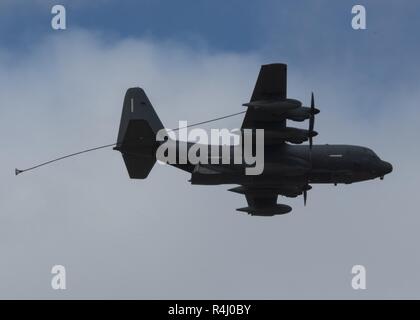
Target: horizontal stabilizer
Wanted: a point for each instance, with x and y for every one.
(138, 166)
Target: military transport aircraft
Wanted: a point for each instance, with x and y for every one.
(289, 170)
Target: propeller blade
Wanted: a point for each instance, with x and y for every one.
(311, 134)
(312, 101)
(311, 120)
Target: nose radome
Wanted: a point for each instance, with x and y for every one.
(387, 167)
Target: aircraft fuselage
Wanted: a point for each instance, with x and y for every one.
(296, 164)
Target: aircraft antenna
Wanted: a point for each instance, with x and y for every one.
(19, 171)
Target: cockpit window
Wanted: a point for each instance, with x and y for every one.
(370, 153)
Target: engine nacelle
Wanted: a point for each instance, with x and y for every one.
(289, 134)
(299, 114)
(274, 105)
(276, 209)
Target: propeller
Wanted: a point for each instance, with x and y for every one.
(305, 192)
(312, 120)
(313, 112)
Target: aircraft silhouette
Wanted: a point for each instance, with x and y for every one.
(289, 170)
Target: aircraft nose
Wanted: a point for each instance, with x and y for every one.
(386, 168)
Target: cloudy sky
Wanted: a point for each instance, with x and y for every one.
(62, 91)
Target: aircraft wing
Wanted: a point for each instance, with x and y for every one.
(271, 86)
(261, 202)
(271, 82)
(269, 108)
(264, 205)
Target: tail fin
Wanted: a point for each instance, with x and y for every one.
(137, 134)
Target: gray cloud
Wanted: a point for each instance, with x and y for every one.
(162, 238)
